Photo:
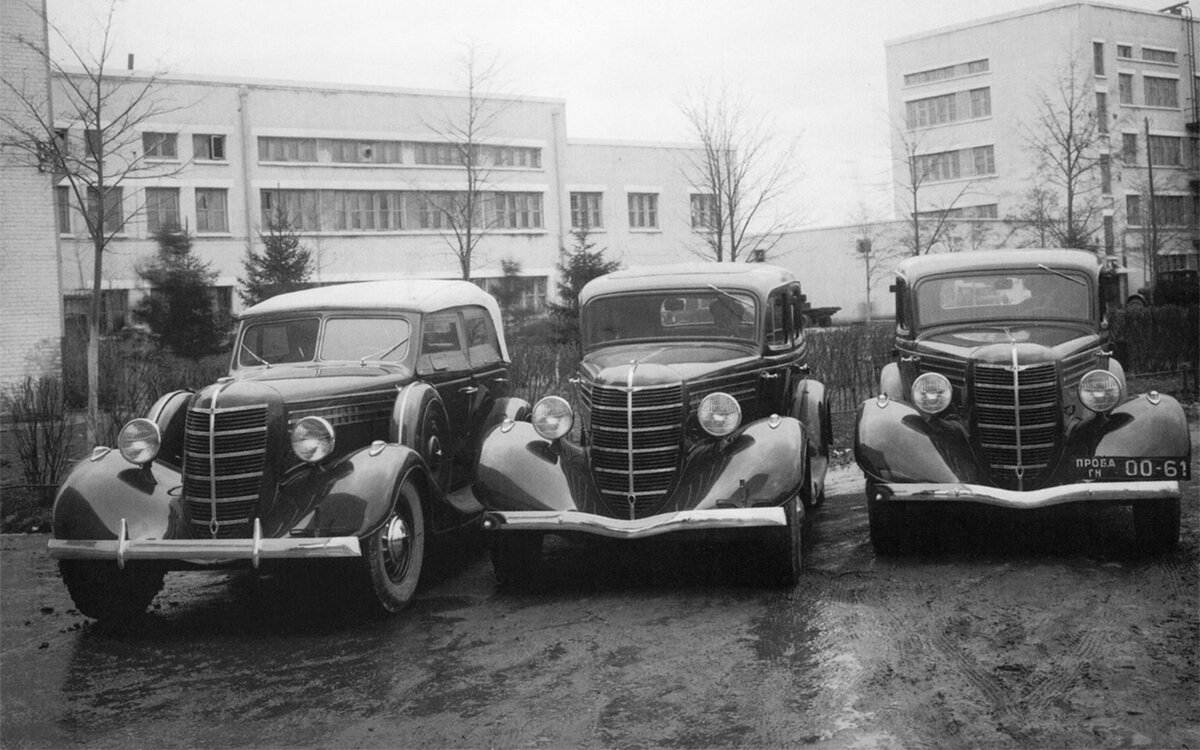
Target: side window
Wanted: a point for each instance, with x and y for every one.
(798, 301)
(441, 344)
(901, 290)
(778, 334)
(483, 347)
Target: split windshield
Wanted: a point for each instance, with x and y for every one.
(1003, 297)
(670, 316)
(344, 339)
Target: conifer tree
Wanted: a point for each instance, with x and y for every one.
(284, 265)
(179, 309)
(576, 267)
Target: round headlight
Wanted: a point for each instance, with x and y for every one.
(312, 439)
(1099, 390)
(139, 441)
(719, 414)
(931, 392)
(552, 417)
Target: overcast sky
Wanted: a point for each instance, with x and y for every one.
(815, 70)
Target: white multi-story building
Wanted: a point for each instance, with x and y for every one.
(361, 170)
(966, 99)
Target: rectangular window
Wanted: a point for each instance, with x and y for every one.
(935, 110)
(114, 211)
(62, 209)
(300, 207)
(441, 210)
(1129, 148)
(1102, 111)
(114, 308)
(366, 210)
(287, 149)
(437, 154)
(981, 102)
(516, 156)
(1124, 51)
(343, 151)
(1098, 57)
(946, 72)
(937, 167)
(643, 210)
(1161, 92)
(704, 211)
(518, 210)
(212, 210)
(93, 143)
(1105, 174)
(1133, 210)
(1172, 210)
(1166, 151)
(587, 210)
(208, 147)
(1125, 87)
(159, 145)
(162, 209)
(985, 160)
(1158, 55)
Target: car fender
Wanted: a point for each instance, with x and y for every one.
(169, 412)
(351, 497)
(104, 488)
(894, 442)
(407, 427)
(890, 382)
(508, 407)
(1145, 426)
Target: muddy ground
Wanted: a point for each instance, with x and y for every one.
(1033, 631)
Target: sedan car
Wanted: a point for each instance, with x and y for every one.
(347, 428)
(1006, 391)
(697, 413)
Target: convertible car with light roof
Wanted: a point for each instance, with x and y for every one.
(346, 433)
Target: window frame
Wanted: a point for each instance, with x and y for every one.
(643, 210)
(162, 209)
(204, 225)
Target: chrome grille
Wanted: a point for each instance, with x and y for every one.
(635, 444)
(1017, 420)
(224, 455)
(743, 387)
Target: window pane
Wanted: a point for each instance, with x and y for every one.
(211, 210)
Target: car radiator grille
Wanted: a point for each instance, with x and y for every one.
(224, 455)
(1016, 418)
(635, 445)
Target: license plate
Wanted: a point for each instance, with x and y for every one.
(1117, 467)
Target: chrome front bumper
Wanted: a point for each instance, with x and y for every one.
(641, 528)
(254, 549)
(1081, 492)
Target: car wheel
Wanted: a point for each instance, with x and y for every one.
(886, 519)
(432, 443)
(1156, 525)
(105, 592)
(813, 493)
(517, 559)
(394, 554)
(788, 551)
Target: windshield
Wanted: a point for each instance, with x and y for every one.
(669, 316)
(1037, 294)
(287, 341)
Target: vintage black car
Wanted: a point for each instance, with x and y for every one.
(347, 428)
(1006, 392)
(697, 414)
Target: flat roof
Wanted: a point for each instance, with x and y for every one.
(416, 295)
(759, 277)
(988, 260)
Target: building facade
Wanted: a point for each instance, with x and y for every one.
(967, 100)
(364, 174)
(31, 326)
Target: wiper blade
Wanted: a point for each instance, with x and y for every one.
(381, 354)
(1068, 277)
(261, 361)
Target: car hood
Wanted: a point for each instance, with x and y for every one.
(316, 381)
(970, 342)
(662, 364)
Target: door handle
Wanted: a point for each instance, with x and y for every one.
(770, 375)
(468, 389)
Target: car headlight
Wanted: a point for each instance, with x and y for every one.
(552, 417)
(1099, 390)
(312, 439)
(139, 441)
(931, 392)
(719, 414)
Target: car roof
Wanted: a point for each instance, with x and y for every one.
(913, 269)
(396, 295)
(760, 278)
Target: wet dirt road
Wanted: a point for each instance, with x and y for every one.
(1021, 632)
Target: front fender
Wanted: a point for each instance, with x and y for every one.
(763, 464)
(894, 443)
(105, 488)
(351, 497)
(1141, 428)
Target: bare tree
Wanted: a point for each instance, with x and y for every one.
(1064, 139)
(91, 140)
(740, 173)
(928, 226)
(873, 247)
(464, 217)
(1036, 216)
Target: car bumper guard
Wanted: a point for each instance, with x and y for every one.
(254, 549)
(1043, 498)
(560, 521)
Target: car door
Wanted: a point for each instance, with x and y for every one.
(489, 371)
(442, 362)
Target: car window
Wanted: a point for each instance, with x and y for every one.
(278, 341)
(1002, 296)
(372, 339)
(777, 328)
(669, 316)
(441, 345)
(483, 347)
